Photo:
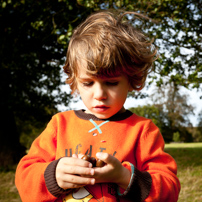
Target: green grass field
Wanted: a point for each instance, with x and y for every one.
(189, 161)
(187, 155)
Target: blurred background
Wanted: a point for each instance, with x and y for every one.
(34, 37)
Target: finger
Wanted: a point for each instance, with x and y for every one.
(77, 170)
(73, 181)
(75, 162)
(74, 155)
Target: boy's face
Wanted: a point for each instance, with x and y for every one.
(103, 97)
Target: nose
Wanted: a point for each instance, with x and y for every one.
(100, 92)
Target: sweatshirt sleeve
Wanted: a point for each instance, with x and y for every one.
(29, 178)
(139, 185)
(50, 180)
(155, 176)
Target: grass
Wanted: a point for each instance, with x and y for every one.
(189, 161)
(8, 191)
(187, 155)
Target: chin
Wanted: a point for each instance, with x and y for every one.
(102, 116)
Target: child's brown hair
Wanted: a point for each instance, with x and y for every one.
(109, 47)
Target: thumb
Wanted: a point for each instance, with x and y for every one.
(107, 158)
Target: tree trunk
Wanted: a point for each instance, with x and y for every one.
(10, 148)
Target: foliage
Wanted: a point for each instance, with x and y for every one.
(177, 27)
(175, 110)
(196, 133)
(170, 112)
(176, 136)
(34, 38)
(32, 51)
(200, 119)
(158, 116)
(174, 103)
(30, 133)
(35, 35)
(150, 112)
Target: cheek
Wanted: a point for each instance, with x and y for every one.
(123, 97)
(123, 94)
(85, 96)
(119, 96)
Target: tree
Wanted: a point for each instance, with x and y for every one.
(158, 116)
(178, 32)
(198, 131)
(150, 112)
(200, 119)
(31, 53)
(175, 110)
(177, 28)
(170, 112)
(34, 36)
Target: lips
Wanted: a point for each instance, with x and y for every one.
(101, 108)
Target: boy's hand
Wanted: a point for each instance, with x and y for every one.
(113, 171)
(73, 172)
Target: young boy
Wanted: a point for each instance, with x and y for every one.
(106, 59)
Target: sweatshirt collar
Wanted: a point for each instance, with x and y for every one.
(117, 117)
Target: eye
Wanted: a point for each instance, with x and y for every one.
(112, 83)
(87, 83)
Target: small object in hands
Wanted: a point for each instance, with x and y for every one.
(100, 163)
(86, 158)
(95, 163)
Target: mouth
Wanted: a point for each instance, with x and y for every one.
(101, 108)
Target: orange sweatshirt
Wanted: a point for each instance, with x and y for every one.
(134, 140)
